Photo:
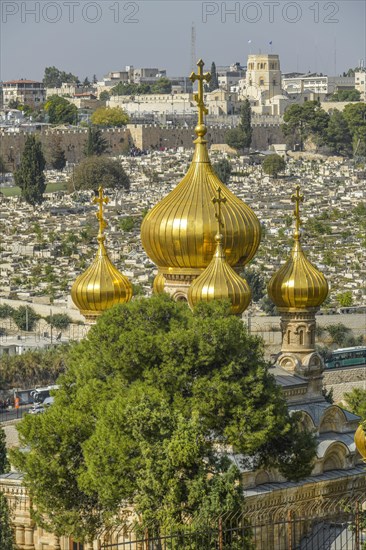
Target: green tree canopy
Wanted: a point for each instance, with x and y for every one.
(53, 77)
(3, 167)
(214, 81)
(60, 111)
(104, 96)
(110, 117)
(356, 400)
(346, 95)
(58, 320)
(25, 318)
(223, 169)
(304, 121)
(241, 137)
(6, 532)
(338, 136)
(95, 171)
(235, 138)
(355, 115)
(162, 86)
(149, 403)
(123, 88)
(95, 143)
(4, 463)
(273, 165)
(55, 154)
(30, 174)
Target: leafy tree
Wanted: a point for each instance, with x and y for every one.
(246, 122)
(356, 400)
(3, 167)
(273, 165)
(235, 138)
(32, 368)
(342, 335)
(256, 282)
(123, 88)
(6, 532)
(104, 96)
(241, 137)
(95, 143)
(25, 318)
(303, 121)
(4, 463)
(338, 136)
(345, 299)
(162, 86)
(30, 174)
(268, 306)
(53, 77)
(95, 79)
(95, 171)
(214, 82)
(223, 170)
(86, 82)
(355, 115)
(55, 154)
(110, 117)
(127, 224)
(6, 311)
(346, 95)
(60, 111)
(149, 403)
(59, 320)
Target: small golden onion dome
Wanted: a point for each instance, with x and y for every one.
(178, 234)
(219, 280)
(101, 286)
(360, 440)
(158, 284)
(298, 283)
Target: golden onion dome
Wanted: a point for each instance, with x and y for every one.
(219, 281)
(158, 284)
(360, 440)
(178, 234)
(298, 283)
(101, 286)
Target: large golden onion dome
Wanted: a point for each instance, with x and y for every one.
(219, 280)
(360, 440)
(178, 234)
(298, 284)
(101, 286)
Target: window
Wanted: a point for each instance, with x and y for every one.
(301, 334)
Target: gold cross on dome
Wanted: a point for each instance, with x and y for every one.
(101, 199)
(297, 198)
(202, 110)
(219, 201)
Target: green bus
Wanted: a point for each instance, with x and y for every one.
(346, 357)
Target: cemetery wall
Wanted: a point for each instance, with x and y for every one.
(143, 137)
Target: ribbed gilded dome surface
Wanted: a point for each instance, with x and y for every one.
(101, 286)
(219, 281)
(298, 283)
(158, 284)
(179, 232)
(360, 440)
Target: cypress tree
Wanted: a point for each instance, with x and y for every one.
(246, 123)
(30, 174)
(6, 533)
(95, 143)
(4, 464)
(214, 82)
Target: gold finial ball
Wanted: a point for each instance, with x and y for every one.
(200, 130)
(219, 238)
(360, 440)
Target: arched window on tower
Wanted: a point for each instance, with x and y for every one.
(288, 337)
(261, 82)
(301, 337)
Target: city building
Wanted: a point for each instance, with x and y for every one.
(360, 83)
(263, 77)
(25, 92)
(315, 86)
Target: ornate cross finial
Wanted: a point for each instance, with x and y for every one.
(297, 198)
(202, 110)
(219, 201)
(101, 200)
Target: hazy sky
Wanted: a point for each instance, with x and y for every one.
(93, 37)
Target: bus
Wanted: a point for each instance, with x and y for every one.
(40, 394)
(346, 357)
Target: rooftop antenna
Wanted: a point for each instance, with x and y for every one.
(193, 48)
